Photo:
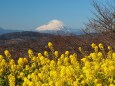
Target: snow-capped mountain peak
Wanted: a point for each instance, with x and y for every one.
(54, 25)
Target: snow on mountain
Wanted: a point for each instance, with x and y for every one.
(54, 25)
(57, 27)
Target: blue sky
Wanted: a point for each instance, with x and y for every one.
(29, 14)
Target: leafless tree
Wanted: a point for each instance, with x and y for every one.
(104, 19)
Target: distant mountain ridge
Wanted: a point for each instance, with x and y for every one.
(3, 31)
(6, 34)
(22, 35)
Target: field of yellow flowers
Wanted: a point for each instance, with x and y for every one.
(95, 69)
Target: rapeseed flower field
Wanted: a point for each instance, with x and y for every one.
(54, 69)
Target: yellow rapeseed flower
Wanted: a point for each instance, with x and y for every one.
(1, 58)
(46, 53)
(50, 44)
(66, 52)
(56, 53)
(30, 53)
(93, 45)
(96, 49)
(7, 53)
(111, 85)
(11, 79)
(67, 69)
(100, 54)
(39, 54)
(101, 46)
(109, 48)
(80, 49)
(20, 61)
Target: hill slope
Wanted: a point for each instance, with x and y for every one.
(18, 43)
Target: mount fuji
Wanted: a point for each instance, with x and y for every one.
(57, 27)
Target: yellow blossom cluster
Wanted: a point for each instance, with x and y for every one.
(54, 69)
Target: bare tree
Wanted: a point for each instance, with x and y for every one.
(104, 18)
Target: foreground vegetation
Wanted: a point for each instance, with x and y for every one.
(54, 69)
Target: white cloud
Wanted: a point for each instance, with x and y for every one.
(54, 25)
